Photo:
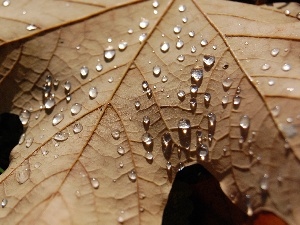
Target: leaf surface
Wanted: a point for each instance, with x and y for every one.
(56, 182)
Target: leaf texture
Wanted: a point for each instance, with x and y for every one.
(84, 179)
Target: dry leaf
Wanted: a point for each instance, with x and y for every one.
(104, 173)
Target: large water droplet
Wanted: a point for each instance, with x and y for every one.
(202, 151)
(181, 58)
(57, 119)
(49, 103)
(155, 4)
(181, 95)
(67, 86)
(236, 101)
(196, 74)
(149, 156)
(179, 44)
(147, 140)
(6, 3)
(61, 136)
(23, 173)
(225, 100)
(286, 67)
(95, 183)
(211, 123)
(177, 29)
(115, 134)
(146, 122)
(156, 71)
(121, 150)
(227, 82)
(122, 45)
(77, 128)
(109, 54)
(208, 60)
(84, 71)
(244, 125)
(76, 108)
(265, 66)
(93, 92)
(132, 175)
(4, 202)
(28, 142)
(31, 27)
(203, 42)
(144, 23)
(184, 132)
(142, 37)
(274, 52)
(182, 8)
(24, 116)
(164, 47)
(264, 183)
(207, 98)
(193, 88)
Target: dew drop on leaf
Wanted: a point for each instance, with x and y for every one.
(182, 8)
(44, 151)
(95, 183)
(193, 49)
(67, 86)
(236, 101)
(130, 31)
(147, 139)
(168, 166)
(208, 60)
(99, 67)
(68, 97)
(184, 125)
(37, 165)
(23, 173)
(274, 52)
(145, 85)
(115, 134)
(77, 128)
(202, 151)
(93, 92)
(184, 19)
(84, 71)
(61, 136)
(179, 44)
(31, 27)
(164, 79)
(203, 42)
(144, 23)
(196, 74)
(4, 202)
(275, 111)
(286, 67)
(192, 33)
(132, 175)
(244, 125)
(298, 15)
(164, 47)
(28, 142)
(49, 103)
(199, 137)
(225, 100)
(76, 108)
(156, 70)
(121, 150)
(110, 80)
(137, 105)
(249, 206)
(177, 29)
(193, 88)
(121, 164)
(146, 122)
(227, 82)
(180, 58)
(57, 118)
(193, 104)
(264, 183)
(155, 4)
(265, 66)
(22, 139)
(181, 95)
(142, 37)
(122, 45)
(211, 122)
(207, 98)
(148, 156)
(6, 3)
(109, 54)
(24, 116)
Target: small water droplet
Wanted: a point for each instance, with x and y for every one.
(109, 54)
(264, 183)
(156, 70)
(122, 45)
(68, 97)
(248, 204)
(236, 101)
(95, 183)
(287, 12)
(110, 80)
(203, 42)
(208, 60)
(148, 156)
(146, 122)
(196, 74)
(4, 202)
(84, 71)
(142, 37)
(121, 164)
(182, 8)
(199, 137)
(181, 58)
(121, 150)
(211, 123)
(130, 31)
(184, 19)
(57, 119)
(168, 166)
(99, 67)
(271, 82)
(67, 86)
(192, 33)
(227, 82)
(6, 3)
(22, 139)
(180, 166)
(76, 108)
(179, 44)
(286, 67)
(77, 128)
(193, 49)
(265, 66)
(24, 116)
(184, 125)
(275, 111)
(207, 98)
(28, 142)
(61, 136)
(115, 134)
(155, 4)
(145, 85)
(23, 173)
(177, 29)
(202, 150)
(193, 104)
(93, 92)
(225, 100)
(214, 47)
(49, 103)
(147, 140)
(193, 88)
(31, 27)
(164, 47)
(137, 105)
(37, 165)
(44, 151)
(144, 23)
(274, 52)
(164, 79)
(181, 95)
(132, 175)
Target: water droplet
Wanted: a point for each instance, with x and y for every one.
(274, 52)
(180, 58)
(145, 85)
(137, 105)
(147, 139)
(196, 74)
(264, 183)
(148, 156)
(271, 82)
(132, 175)
(115, 134)
(110, 80)
(122, 45)
(275, 111)
(193, 104)
(193, 88)
(179, 44)
(77, 128)
(149, 93)
(184, 19)
(208, 60)
(68, 97)
(28, 142)
(164, 47)
(156, 71)
(121, 150)
(67, 86)
(288, 130)
(22, 139)
(202, 150)
(4, 202)
(44, 151)
(244, 122)
(180, 166)
(130, 31)
(155, 4)
(109, 54)
(248, 204)
(84, 71)
(168, 166)
(144, 23)
(93, 92)
(193, 49)
(6, 3)
(31, 27)
(265, 66)
(164, 79)
(236, 101)
(199, 137)
(214, 47)
(286, 67)
(177, 29)
(76, 108)
(225, 100)
(227, 82)
(57, 119)
(24, 116)
(287, 12)
(55, 83)
(49, 103)
(207, 98)
(181, 8)
(203, 42)
(99, 67)
(95, 183)
(184, 125)
(192, 33)
(37, 165)
(181, 95)
(211, 123)
(121, 164)
(142, 37)
(146, 122)
(23, 173)
(61, 136)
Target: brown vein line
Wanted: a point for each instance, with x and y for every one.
(67, 23)
(256, 36)
(85, 3)
(275, 77)
(282, 96)
(234, 16)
